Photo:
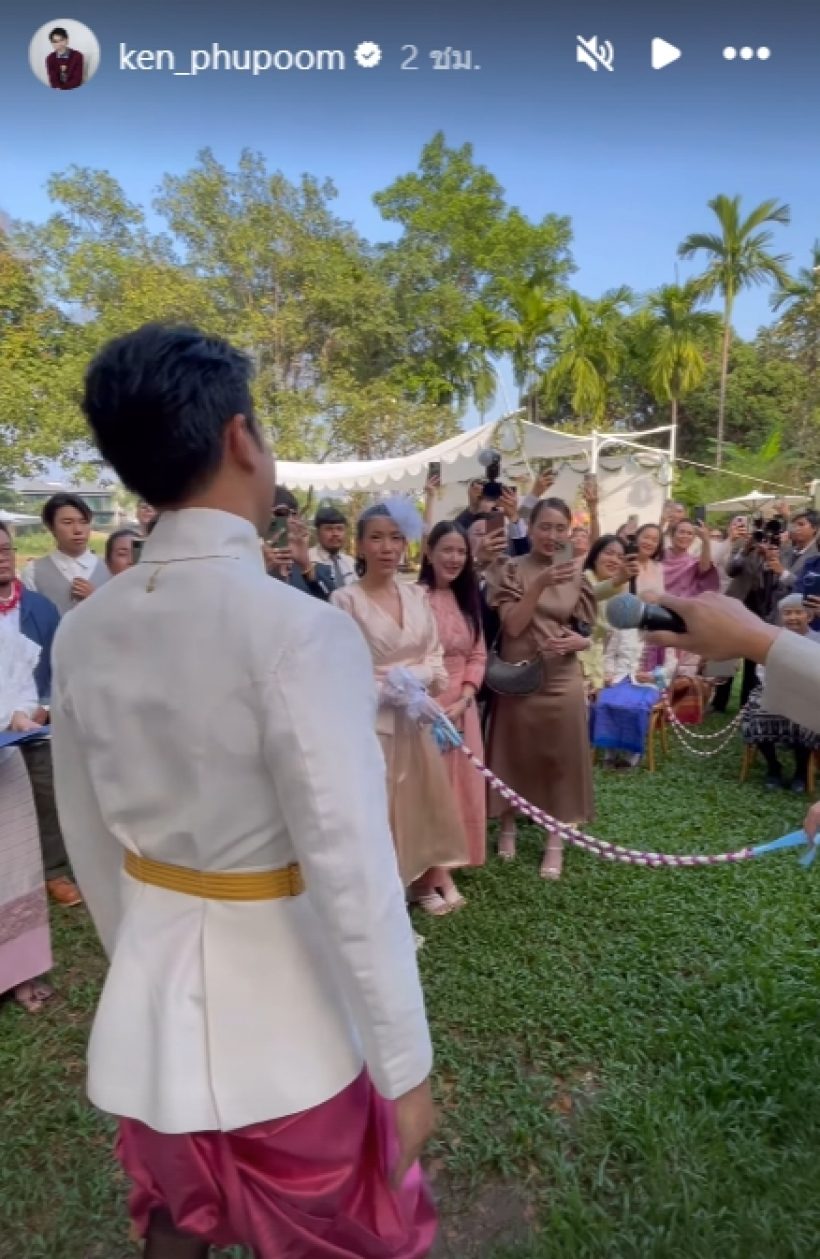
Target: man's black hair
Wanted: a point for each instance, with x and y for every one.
(809, 514)
(282, 497)
(329, 515)
(158, 401)
(58, 501)
(58, 30)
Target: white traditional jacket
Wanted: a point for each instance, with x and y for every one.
(209, 717)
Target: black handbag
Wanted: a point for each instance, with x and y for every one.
(516, 680)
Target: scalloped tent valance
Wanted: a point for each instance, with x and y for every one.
(520, 442)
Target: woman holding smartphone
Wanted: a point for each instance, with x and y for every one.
(539, 743)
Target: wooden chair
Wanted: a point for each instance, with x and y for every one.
(750, 755)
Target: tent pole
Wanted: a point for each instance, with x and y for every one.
(595, 453)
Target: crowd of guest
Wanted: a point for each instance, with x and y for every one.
(503, 621)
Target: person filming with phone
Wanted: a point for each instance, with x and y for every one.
(538, 739)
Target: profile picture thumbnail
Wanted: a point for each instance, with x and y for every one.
(64, 54)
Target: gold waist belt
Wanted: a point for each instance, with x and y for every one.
(217, 885)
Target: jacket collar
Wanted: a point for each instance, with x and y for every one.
(199, 533)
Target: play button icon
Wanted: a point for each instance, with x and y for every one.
(664, 53)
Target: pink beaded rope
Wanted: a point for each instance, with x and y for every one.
(602, 847)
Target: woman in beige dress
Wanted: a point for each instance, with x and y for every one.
(539, 744)
(397, 621)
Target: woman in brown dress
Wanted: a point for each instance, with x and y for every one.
(539, 744)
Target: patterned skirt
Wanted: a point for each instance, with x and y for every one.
(759, 726)
(25, 943)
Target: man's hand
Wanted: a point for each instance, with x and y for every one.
(278, 559)
(773, 563)
(509, 503)
(432, 488)
(812, 605)
(299, 539)
(718, 628)
(701, 532)
(632, 566)
(81, 589)
(415, 1117)
(738, 529)
(543, 482)
(21, 724)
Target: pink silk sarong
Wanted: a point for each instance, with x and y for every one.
(313, 1184)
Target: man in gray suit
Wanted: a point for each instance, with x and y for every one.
(71, 572)
(804, 530)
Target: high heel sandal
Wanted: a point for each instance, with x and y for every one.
(453, 899)
(553, 859)
(432, 903)
(506, 843)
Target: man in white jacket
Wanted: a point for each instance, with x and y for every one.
(261, 1035)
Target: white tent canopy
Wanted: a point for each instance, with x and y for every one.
(15, 518)
(633, 478)
(757, 501)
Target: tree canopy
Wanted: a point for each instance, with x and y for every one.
(365, 349)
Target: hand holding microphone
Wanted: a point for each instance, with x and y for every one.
(712, 625)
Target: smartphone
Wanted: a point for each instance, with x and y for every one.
(699, 514)
(136, 549)
(278, 533)
(811, 586)
(564, 555)
(495, 522)
(434, 470)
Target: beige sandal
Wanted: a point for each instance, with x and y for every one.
(507, 843)
(432, 903)
(553, 859)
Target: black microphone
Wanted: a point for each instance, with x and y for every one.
(630, 612)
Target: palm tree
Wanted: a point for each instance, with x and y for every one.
(588, 350)
(738, 258)
(530, 320)
(799, 299)
(676, 335)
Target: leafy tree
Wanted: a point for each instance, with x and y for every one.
(678, 337)
(738, 256)
(586, 353)
(461, 246)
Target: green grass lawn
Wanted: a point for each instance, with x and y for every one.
(628, 1061)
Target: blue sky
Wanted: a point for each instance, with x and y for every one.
(632, 156)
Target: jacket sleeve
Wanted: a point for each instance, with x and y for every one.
(53, 70)
(49, 619)
(792, 686)
(329, 778)
(75, 71)
(95, 855)
(736, 564)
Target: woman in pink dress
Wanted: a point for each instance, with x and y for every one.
(687, 575)
(398, 625)
(448, 575)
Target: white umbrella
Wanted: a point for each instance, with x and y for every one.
(14, 518)
(757, 501)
